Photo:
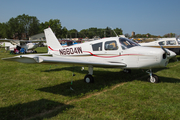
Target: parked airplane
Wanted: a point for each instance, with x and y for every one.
(113, 52)
(170, 43)
(11, 44)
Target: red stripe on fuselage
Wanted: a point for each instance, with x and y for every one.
(109, 56)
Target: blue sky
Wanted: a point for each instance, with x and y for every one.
(157, 17)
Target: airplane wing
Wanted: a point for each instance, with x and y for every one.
(5, 40)
(9, 40)
(14, 42)
(32, 41)
(61, 60)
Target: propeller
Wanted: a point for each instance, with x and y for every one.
(168, 53)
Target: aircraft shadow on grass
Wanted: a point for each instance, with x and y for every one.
(103, 79)
(30, 109)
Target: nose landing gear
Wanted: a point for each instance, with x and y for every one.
(152, 77)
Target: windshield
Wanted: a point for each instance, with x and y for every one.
(126, 43)
(178, 40)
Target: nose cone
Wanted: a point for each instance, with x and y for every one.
(153, 57)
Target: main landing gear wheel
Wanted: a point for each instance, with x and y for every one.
(153, 79)
(88, 78)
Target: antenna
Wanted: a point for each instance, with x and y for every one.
(114, 32)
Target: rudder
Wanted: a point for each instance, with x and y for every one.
(52, 42)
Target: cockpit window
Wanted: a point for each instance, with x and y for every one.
(126, 43)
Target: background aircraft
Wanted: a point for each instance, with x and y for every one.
(170, 43)
(113, 52)
(27, 45)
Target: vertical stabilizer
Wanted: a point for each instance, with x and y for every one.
(52, 42)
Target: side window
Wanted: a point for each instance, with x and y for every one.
(170, 42)
(162, 43)
(111, 45)
(97, 47)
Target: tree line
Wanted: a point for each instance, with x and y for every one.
(30, 25)
(148, 35)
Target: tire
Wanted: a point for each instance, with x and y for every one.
(88, 79)
(154, 79)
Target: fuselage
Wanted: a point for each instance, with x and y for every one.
(115, 50)
(29, 46)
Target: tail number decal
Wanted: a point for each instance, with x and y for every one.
(68, 51)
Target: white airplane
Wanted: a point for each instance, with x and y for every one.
(11, 44)
(113, 52)
(172, 44)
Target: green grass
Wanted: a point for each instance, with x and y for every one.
(36, 91)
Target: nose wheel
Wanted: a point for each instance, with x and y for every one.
(152, 77)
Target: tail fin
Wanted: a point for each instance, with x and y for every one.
(52, 42)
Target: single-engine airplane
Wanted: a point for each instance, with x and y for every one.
(172, 44)
(113, 52)
(28, 45)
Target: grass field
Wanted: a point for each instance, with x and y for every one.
(42, 92)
